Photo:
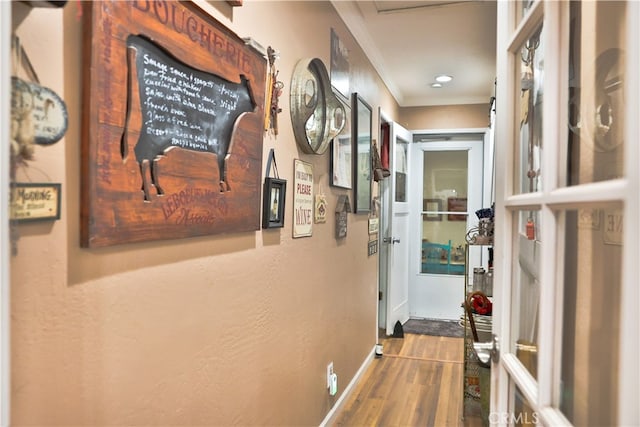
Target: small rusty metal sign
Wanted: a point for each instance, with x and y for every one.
(342, 209)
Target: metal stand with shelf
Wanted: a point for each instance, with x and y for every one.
(476, 377)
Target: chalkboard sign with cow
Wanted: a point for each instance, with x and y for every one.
(181, 107)
(172, 125)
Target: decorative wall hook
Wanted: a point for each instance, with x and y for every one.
(274, 90)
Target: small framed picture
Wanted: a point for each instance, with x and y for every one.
(432, 209)
(273, 202)
(457, 204)
(34, 202)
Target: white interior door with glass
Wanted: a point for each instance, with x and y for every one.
(395, 228)
(567, 214)
(447, 178)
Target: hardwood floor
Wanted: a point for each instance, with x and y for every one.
(417, 382)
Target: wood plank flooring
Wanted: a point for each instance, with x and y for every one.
(417, 382)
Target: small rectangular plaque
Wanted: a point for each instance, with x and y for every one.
(373, 247)
(374, 225)
(34, 202)
(613, 226)
(302, 199)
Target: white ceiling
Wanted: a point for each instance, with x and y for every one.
(410, 42)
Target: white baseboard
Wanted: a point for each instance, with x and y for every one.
(347, 391)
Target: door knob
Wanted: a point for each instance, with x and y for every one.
(391, 240)
(487, 351)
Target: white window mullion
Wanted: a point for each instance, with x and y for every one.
(552, 417)
(553, 142)
(505, 107)
(524, 201)
(526, 27)
(593, 193)
(523, 379)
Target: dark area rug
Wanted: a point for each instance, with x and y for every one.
(440, 328)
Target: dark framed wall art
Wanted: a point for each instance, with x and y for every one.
(362, 119)
(275, 190)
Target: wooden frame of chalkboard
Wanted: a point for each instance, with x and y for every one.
(172, 125)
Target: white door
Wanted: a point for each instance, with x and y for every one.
(447, 190)
(567, 213)
(395, 228)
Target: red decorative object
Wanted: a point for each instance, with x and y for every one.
(480, 303)
(531, 229)
(384, 147)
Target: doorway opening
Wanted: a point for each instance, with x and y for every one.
(447, 189)
(437, 183)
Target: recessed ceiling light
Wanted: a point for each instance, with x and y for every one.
(436, 84)
(443, 78)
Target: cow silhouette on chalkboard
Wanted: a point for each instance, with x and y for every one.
(181, 107)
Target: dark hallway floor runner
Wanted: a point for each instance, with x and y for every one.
(441, 328)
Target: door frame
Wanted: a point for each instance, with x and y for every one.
(418, 280)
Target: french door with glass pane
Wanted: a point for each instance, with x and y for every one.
(567, 213)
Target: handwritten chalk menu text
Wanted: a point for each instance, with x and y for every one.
(172, 124)
(181, 107)
(302, 199)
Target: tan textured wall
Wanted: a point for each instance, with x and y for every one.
(234, 329)
(445, 117)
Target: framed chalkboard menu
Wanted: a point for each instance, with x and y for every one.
(172, 125)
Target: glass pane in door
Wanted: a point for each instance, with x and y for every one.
(590, 323)
(525, 293)
(401, 170)
(522, 8)
(529, 71)
(522, 414)
(444, 194)
(596, 91)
